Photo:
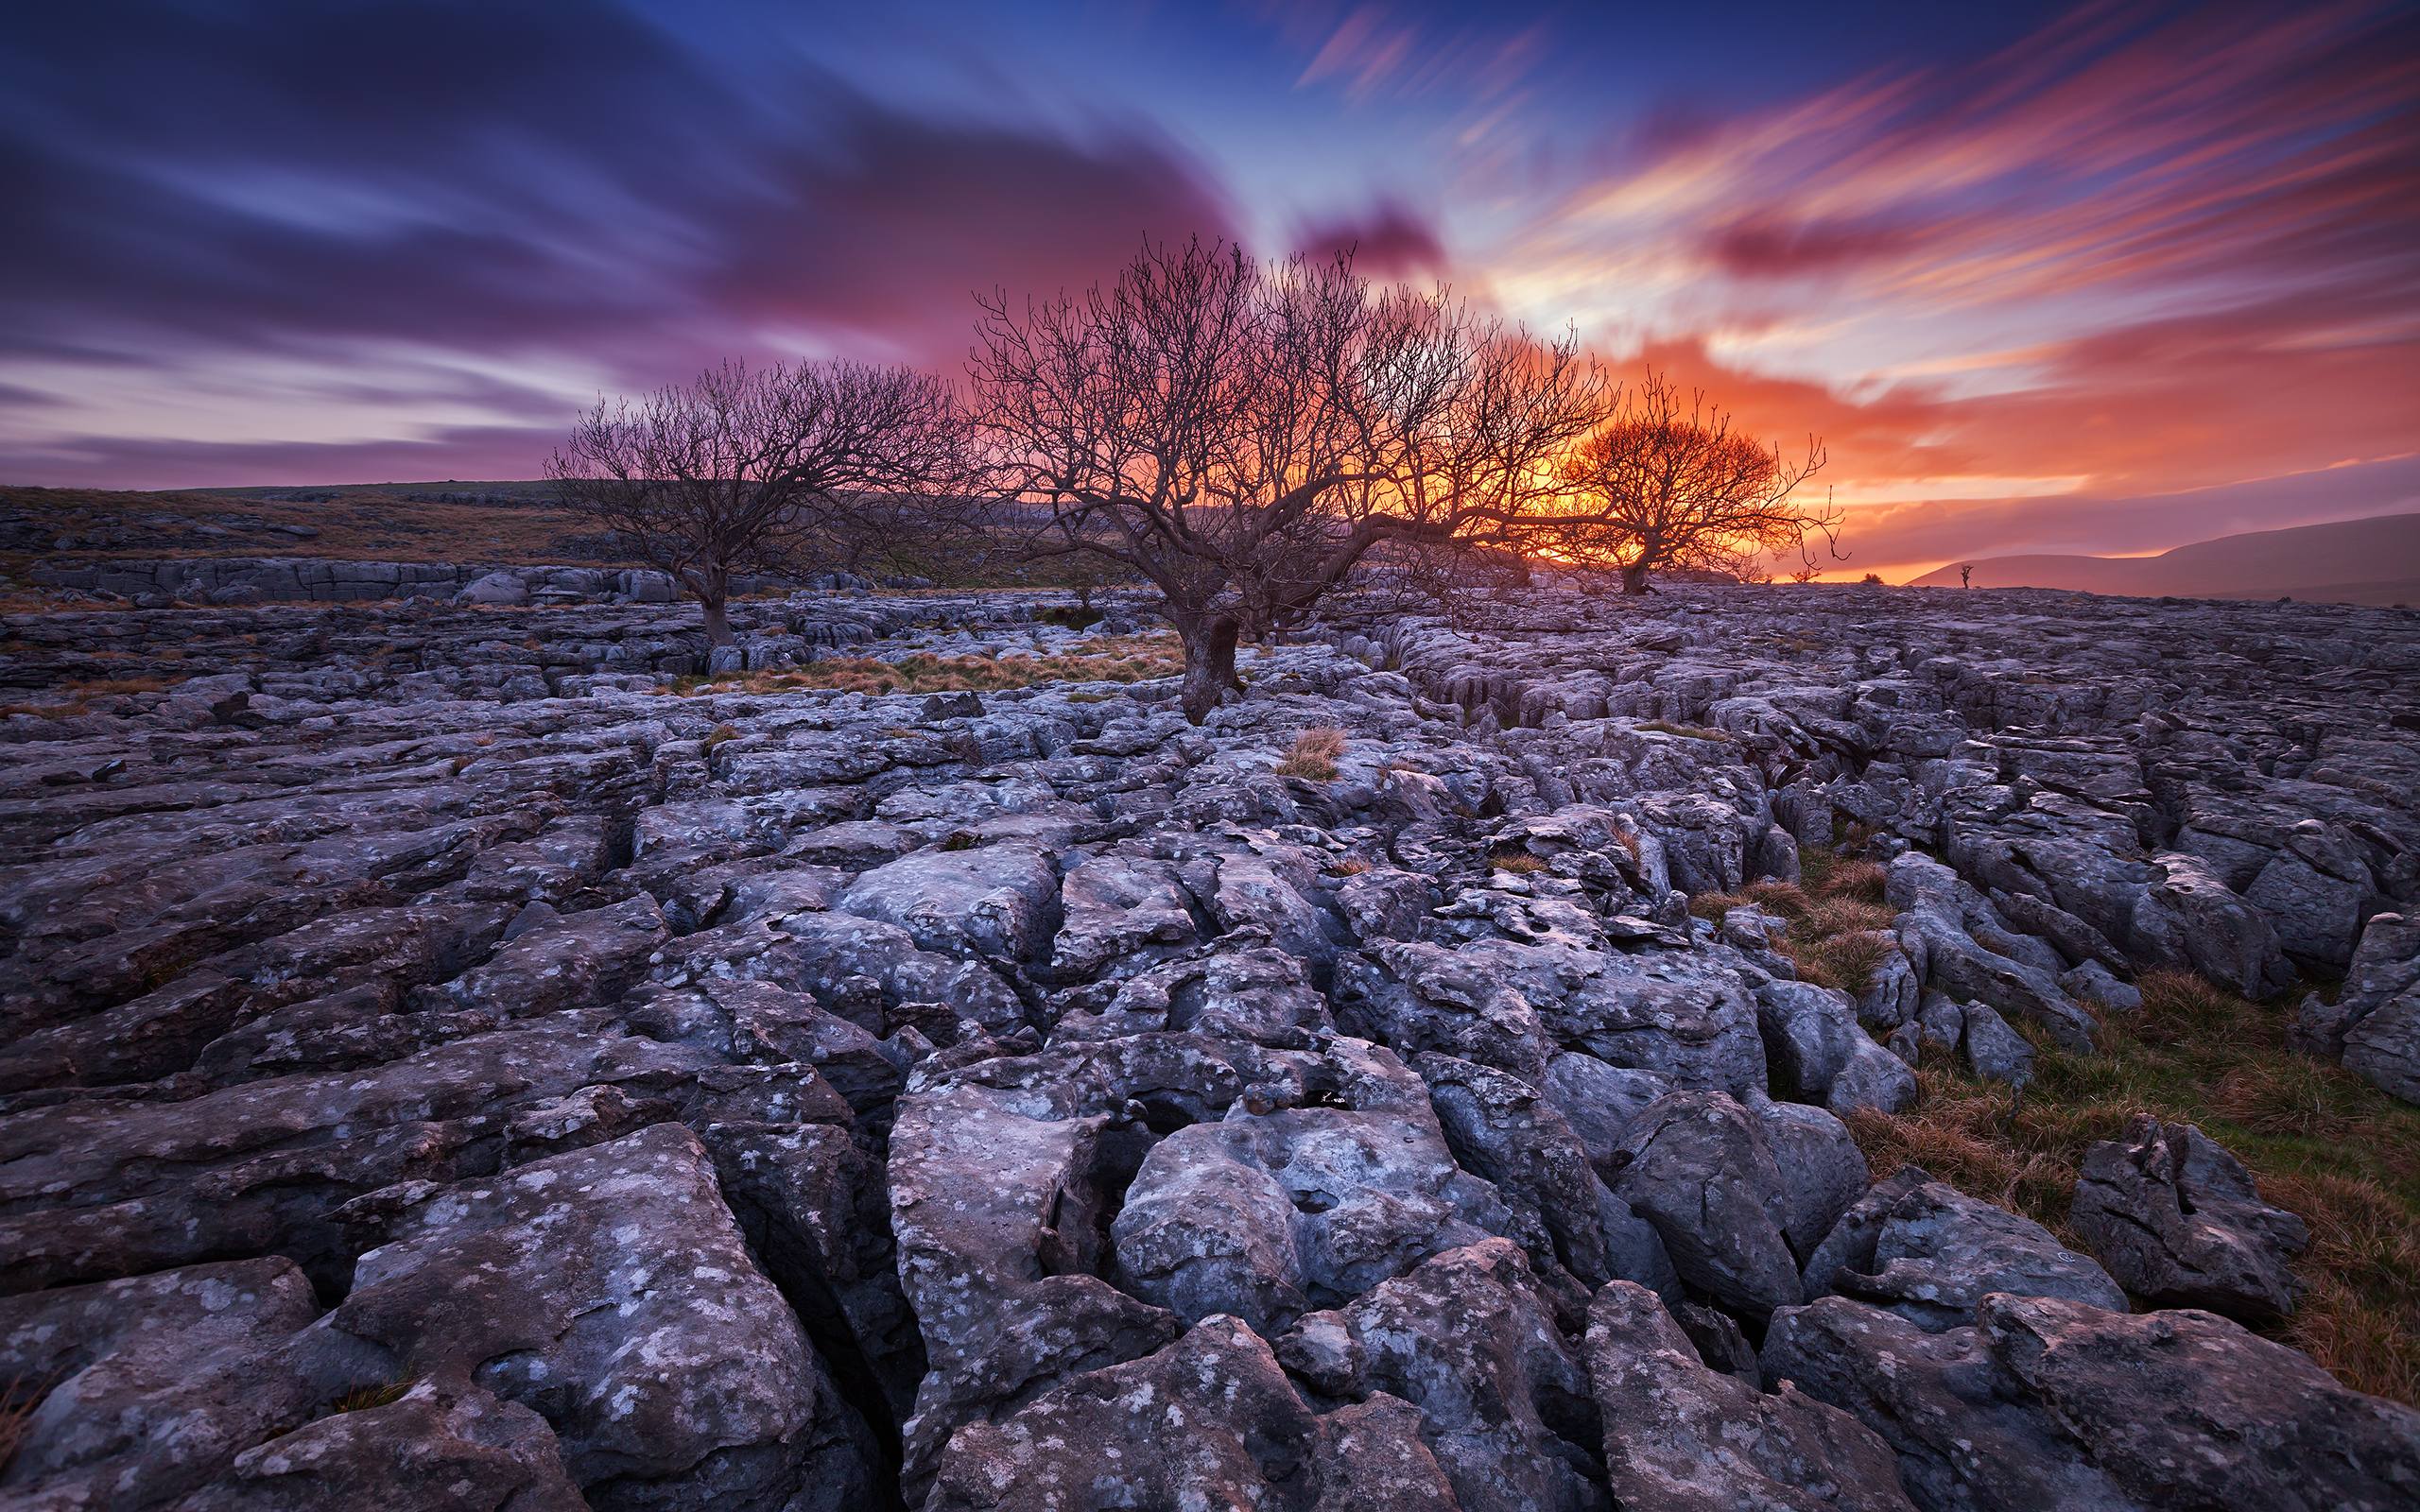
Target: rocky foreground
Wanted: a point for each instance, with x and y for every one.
(445, 1066)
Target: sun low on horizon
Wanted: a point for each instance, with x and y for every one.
(2101, 279)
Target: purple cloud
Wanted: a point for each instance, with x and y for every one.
(1390, 241)
(573, 192)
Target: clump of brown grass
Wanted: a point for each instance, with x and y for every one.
(1518, 861)
(1837, 933)
(2319, 1141)
(1313, 754)
(1105, 659)
(98, 687)
(75, 709)
(1671, 727)
(18, 1399)
(1835, 876)
(717, 736)
(361, 1399)
(1846, 961)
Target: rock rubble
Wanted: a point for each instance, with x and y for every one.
(446, 1063)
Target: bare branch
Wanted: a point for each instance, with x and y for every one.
(1242, 435)
(769, 469)
(1669, 483)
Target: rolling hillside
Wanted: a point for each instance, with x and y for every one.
(2355, 561)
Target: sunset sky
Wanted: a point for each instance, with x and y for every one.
(2105, 278)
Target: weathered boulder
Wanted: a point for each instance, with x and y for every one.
(495, 589)
(1469, 1339)
(1115, 905)
(609, 1290)
(1209, 1422)
(992, 900)
(1681, 1437)
(1935, 1251)
(1939, 915)
(431, 1446)
(1269, 1215)
(2045, 1402)
(2178, 1222)
(2373, 1024)
(1696, 1165)
(2190, 918)
(1515, 1005)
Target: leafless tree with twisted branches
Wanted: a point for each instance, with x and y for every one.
(1242, 434)
(774, 468)
(1666, 482)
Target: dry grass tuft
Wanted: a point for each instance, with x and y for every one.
(1684, 731)
(2319, 1141)
(1518, 861)
(1106, 659)
(1837, 877)
(1846, 961)
(1838, 926)
(98, 687)
(18, 1399)
(361, 1399)
(1314, 753)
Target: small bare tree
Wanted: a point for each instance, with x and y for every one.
(1965, 575)
(1669, 483)
(752, 469)
(1242, 435)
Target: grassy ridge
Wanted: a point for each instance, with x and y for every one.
(2321, 1143)
(510, 522)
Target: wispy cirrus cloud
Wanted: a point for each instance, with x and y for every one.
(2139, 249)
(515, 208)
(1995, 255)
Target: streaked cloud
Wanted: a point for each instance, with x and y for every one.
(2011, 264)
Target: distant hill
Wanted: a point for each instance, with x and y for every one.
(2354, 561)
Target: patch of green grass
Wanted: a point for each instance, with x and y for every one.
(2320, 1141)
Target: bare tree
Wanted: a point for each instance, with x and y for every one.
(1242, 435)
(1965, 575)
(1669, 483)
(762, 468)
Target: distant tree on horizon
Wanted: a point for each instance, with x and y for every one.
(1666, 482)
(1965, 575)
(743, 469)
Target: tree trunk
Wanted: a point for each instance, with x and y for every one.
(1634, 578)
(1209, 665)
(713, 588)
(717, 622)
